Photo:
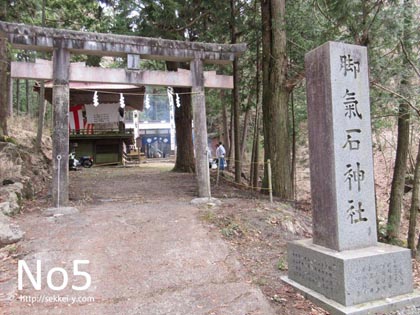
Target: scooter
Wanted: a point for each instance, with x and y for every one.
(73, 162)
(85, 161)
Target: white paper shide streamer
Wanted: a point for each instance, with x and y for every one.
(95, 99)
(147, 102)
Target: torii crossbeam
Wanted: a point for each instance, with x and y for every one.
(63, 43)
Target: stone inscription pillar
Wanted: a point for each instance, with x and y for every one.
(343, 268)
(60, 184)
(340, 145)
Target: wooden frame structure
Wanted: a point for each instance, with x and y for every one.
(63, 43)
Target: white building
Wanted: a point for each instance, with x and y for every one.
(154, 127)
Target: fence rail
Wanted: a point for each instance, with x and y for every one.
(100, 132)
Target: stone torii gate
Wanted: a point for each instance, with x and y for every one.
(63, 43)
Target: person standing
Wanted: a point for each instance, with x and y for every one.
(220, 154)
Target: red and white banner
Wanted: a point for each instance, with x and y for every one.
(76, 117)
(76, 120)
(89, 128)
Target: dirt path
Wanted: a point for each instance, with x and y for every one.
(148, 252)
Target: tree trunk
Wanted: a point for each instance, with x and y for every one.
(226, 139)
(34, 100)
(18, 96)
(251, 165)
(41, 115)
(185, 162)
(10, 95)
(275, 97)
(183, 126)
(235, 94)
(418, 246)
(253, 181)
(230, 160)
(403, 141)
(236, 130)
(27, 98)
(256, 139)
(4, 99)
(255, 176)
(415, 203)
(41, 104)
(245, 131)
(293, 146)
(398, 180)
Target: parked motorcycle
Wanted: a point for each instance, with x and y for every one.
(85, 161)
(73, 162)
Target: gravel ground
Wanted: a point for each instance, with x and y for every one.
(148, 253)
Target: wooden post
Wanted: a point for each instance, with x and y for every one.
(60, 184)
(270, 185)
(200, 128)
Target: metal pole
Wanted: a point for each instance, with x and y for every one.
(270, 187)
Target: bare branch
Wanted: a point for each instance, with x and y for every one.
(378, 5)
(295, 80)
(191, 23)
(384, 116)
(397, 95)
(409, 60)
(325, 14)
(297, 45)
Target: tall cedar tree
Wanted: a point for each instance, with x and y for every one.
(4, 87)
(403, 140)
(185, 162)
(275, 97)
(235, 95)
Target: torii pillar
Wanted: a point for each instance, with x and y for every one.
(61, 94)
(200, 128)
(64, 42)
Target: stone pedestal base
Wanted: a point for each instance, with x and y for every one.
(378, 307)
(346, 282)
(51, 212)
